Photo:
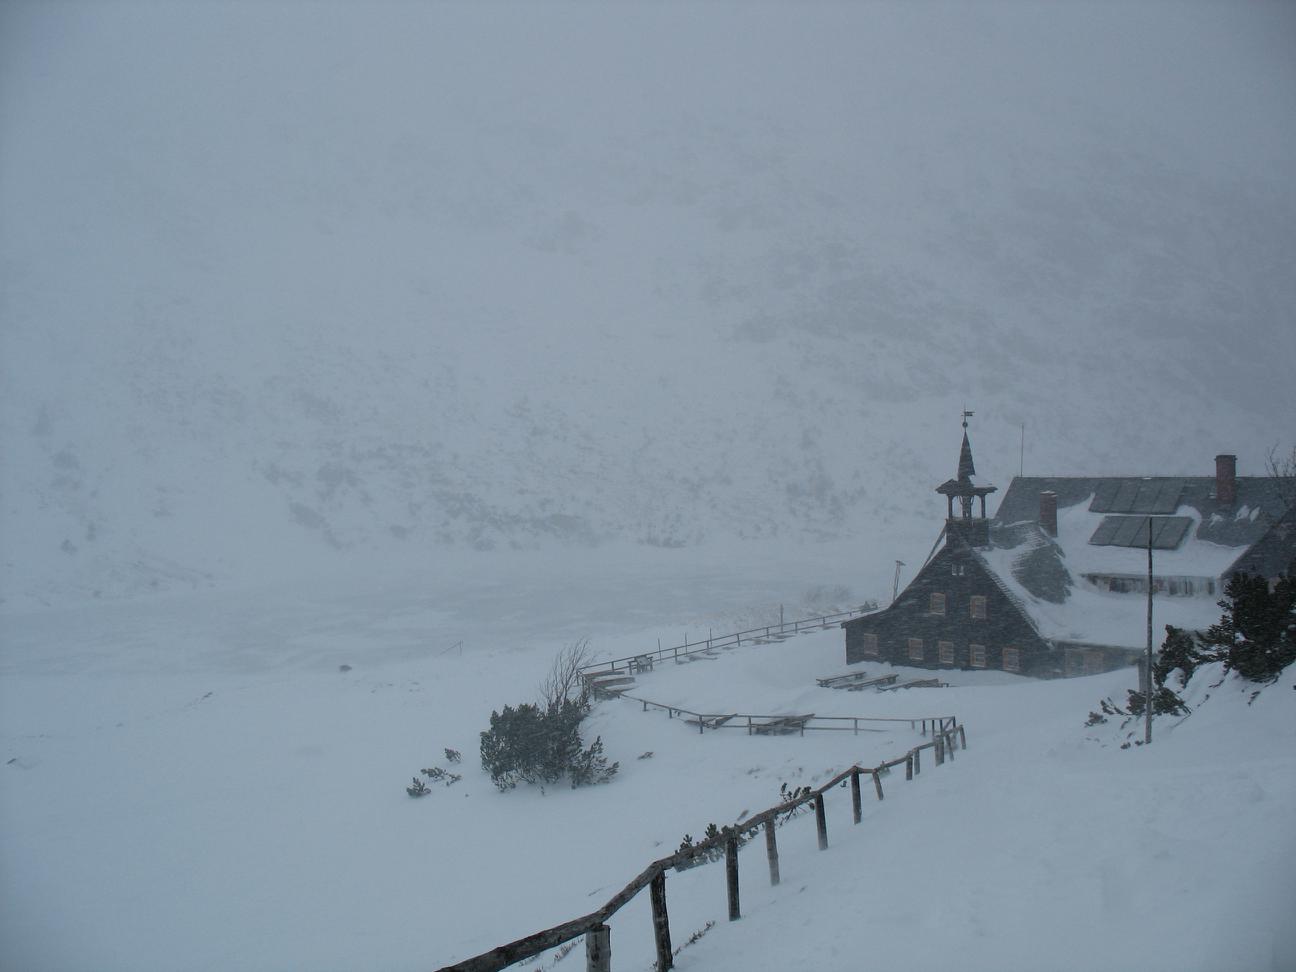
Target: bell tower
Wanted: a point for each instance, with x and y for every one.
(967, 488)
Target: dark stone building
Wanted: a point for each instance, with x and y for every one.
(1056, 583)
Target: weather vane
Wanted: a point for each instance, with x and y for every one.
(966, 415)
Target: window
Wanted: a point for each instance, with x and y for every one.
(958, 570)
(869, 643)
(915, 649)
(1011, 660)
(977, 656)
(978, 606)
(937, 604)
(946, 649)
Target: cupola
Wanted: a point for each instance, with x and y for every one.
(967, 489)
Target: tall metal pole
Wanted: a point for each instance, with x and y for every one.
(1147, 666)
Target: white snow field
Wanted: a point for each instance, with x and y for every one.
(193, 782)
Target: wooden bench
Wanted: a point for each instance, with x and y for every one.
(711, 722)
(610, 685)
(707, 654)
(915, 683)
(878, 682)
(782, 725)
(841, 681)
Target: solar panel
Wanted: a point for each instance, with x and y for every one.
(1130, 531)
(1137, 496)
(1145, 500)
(1106, 530)
(1103, 497)
(1168, 532)
(1123, 502)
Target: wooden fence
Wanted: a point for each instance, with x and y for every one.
(947, 736)
(769, 632)
(754, 723)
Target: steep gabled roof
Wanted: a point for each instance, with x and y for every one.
(1046, 575)
(1259, 501)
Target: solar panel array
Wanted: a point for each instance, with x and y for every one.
(1132, 531)
(1149, 496)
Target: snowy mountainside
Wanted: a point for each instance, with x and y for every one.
(271, 312)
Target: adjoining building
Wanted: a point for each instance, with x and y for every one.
(1056, 583)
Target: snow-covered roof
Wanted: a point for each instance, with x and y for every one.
(1047, 575)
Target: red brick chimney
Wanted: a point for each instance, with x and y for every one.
(1226, 480)
(1048, 513)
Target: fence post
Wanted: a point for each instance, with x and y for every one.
(877, 784)
(950, 745)
(917, 755)
(771, 851)
(940, 751)
(909, 766)
(598, 949)
(856, 801)
(821, 822)
(661, 922)
(731, 875)
(962, 737)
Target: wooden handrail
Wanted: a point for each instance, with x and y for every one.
(722, 641)
(951, 733)
(702, 716)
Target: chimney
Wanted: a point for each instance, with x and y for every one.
(1048, 513)
(1226, 480)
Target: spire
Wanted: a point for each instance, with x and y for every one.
(966, 468)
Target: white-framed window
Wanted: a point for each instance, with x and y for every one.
(915, 649)
(1012, 660)
(936, 604)
(946, 650)
(978, 606)
(977, 656)
(869, 644)
(958, 570)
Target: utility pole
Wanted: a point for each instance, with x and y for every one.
(895, 586)
(1147, 665)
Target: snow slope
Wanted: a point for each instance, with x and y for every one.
(192, 782)
(288, 283)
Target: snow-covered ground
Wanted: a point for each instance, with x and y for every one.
(194, 782)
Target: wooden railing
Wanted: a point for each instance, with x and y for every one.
(947, 736)
(632, 663)
(754, 723)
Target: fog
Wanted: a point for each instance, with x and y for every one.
(294, 283)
